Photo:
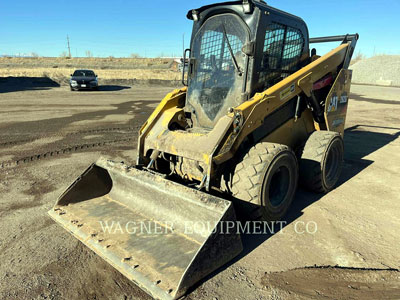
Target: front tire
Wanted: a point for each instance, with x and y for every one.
(267, 178)
(321, 161)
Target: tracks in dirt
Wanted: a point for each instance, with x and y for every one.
(347, 268)
(80, 132)
(68, 149)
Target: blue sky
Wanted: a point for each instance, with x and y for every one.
(154, 28)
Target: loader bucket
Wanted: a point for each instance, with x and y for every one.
(162, 235)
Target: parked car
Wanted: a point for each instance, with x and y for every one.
(83, 79)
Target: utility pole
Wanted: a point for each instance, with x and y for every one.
(69, 48)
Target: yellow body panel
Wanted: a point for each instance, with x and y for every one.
(293, 132)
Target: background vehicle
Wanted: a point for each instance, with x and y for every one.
(83, 79)
(259, 112)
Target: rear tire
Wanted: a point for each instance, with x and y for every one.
(267, 178)
(321, 161)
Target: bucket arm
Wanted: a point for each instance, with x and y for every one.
(251, 114)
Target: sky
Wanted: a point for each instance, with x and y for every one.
(155, 28)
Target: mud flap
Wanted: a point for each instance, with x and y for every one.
(162, 235)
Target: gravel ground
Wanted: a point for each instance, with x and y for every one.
(378, 70)
(354, 254)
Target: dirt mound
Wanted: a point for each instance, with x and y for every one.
(378, 70)
(85, 62)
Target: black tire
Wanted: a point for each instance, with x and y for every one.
(267, 178)
(321, 161)
(72, 89)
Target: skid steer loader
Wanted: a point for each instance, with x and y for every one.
(259, 112)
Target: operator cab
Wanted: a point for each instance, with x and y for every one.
(237, 49)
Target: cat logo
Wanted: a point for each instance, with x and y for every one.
(333, 104)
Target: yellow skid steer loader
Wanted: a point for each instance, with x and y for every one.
(259, 112)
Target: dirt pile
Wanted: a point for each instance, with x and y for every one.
(378, 70)
(100, 63)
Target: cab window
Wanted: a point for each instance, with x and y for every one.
(282, 50)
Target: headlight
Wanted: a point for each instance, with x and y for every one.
(73, 82)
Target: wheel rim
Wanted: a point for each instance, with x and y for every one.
(279, 186)
(332, 164)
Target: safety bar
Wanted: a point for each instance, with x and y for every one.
(335, 38)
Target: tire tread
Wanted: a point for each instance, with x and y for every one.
(249, 174)
(311, 160)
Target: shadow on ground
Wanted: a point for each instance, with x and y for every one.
(357, 97)
(16, 84)
(359, 143)
(112, 88)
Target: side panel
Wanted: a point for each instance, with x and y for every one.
(336, 102)
(292, 133)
